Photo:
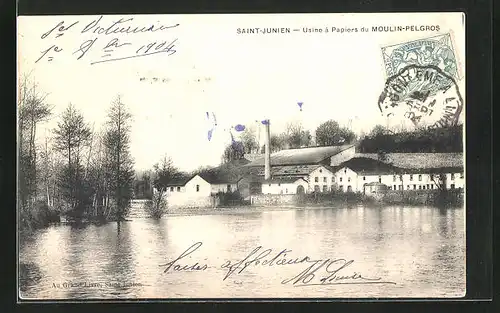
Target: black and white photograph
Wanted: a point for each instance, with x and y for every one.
(236, 156)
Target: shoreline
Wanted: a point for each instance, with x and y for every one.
(339, 203)
(259, 209)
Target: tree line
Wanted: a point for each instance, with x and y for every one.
(440, 140)
(78, 171)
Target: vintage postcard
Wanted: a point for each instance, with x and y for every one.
(241, 156)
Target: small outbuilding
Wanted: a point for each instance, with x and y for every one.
(374, 188)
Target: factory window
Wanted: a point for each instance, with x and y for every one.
(269, 185)
(333, 179)
(325, 188)
(394, 187)
(380, 179)
(321, 171)
(316, 179)
(461, 175)
(324, 179)
(316, 188)
(428, 186)
(390, 188)
(452, 176)
(279, 184)
(341, 188)
(423, 187)
(432, 176)
(408, 187)
(228, 188)
(394, 178)
(414, 187)
(364, 177)
(197, 188)
(420, 177)
(419, 186)
(348, 179)
(452, 186)
(171, 188)
(332, 187)
(286, 190)
(178, 188)
(340, 179)
(400, 187)
(411, 177)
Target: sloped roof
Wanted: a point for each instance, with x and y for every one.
(286, 170)
(420, 160)
(368, 166)
(253, 156)
(180, 180)
(234, 163)
(218, 177)
(229, 172)
(278, 180)
(312, 155)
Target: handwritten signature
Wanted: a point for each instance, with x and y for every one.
(317, 273)
(100, 40)
(310, 276)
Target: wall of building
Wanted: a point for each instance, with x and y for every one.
(198, 187)
(345, 178)
(274, 200)
(342, 156)
(319, 178)
(365, 179)
(174, 189)
(178, 201)
(457, 180)
(287, 188)
(195, 194)
(416, 181)
(224, 188)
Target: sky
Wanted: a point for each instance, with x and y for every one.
(239, 78)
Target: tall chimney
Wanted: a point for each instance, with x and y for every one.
(267, 157)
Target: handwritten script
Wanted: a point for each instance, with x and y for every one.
(113, 40)
(317, 272)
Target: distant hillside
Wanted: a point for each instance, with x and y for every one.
(448, 139)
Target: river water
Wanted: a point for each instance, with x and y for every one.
(408, 251)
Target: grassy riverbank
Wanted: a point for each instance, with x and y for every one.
(42, 215)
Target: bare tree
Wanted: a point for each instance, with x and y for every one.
(72, 135)
(233, 151)
(163, 172)
(296, 136)
(249, 140)
(32, 110)
(120, 172)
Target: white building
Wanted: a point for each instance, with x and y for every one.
(419, 171)
(285, 185)
(339, 168)
(353, 174)
(197, 190)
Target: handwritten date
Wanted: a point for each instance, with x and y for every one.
(121, 47)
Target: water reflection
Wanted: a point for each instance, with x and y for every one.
(422, 249)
